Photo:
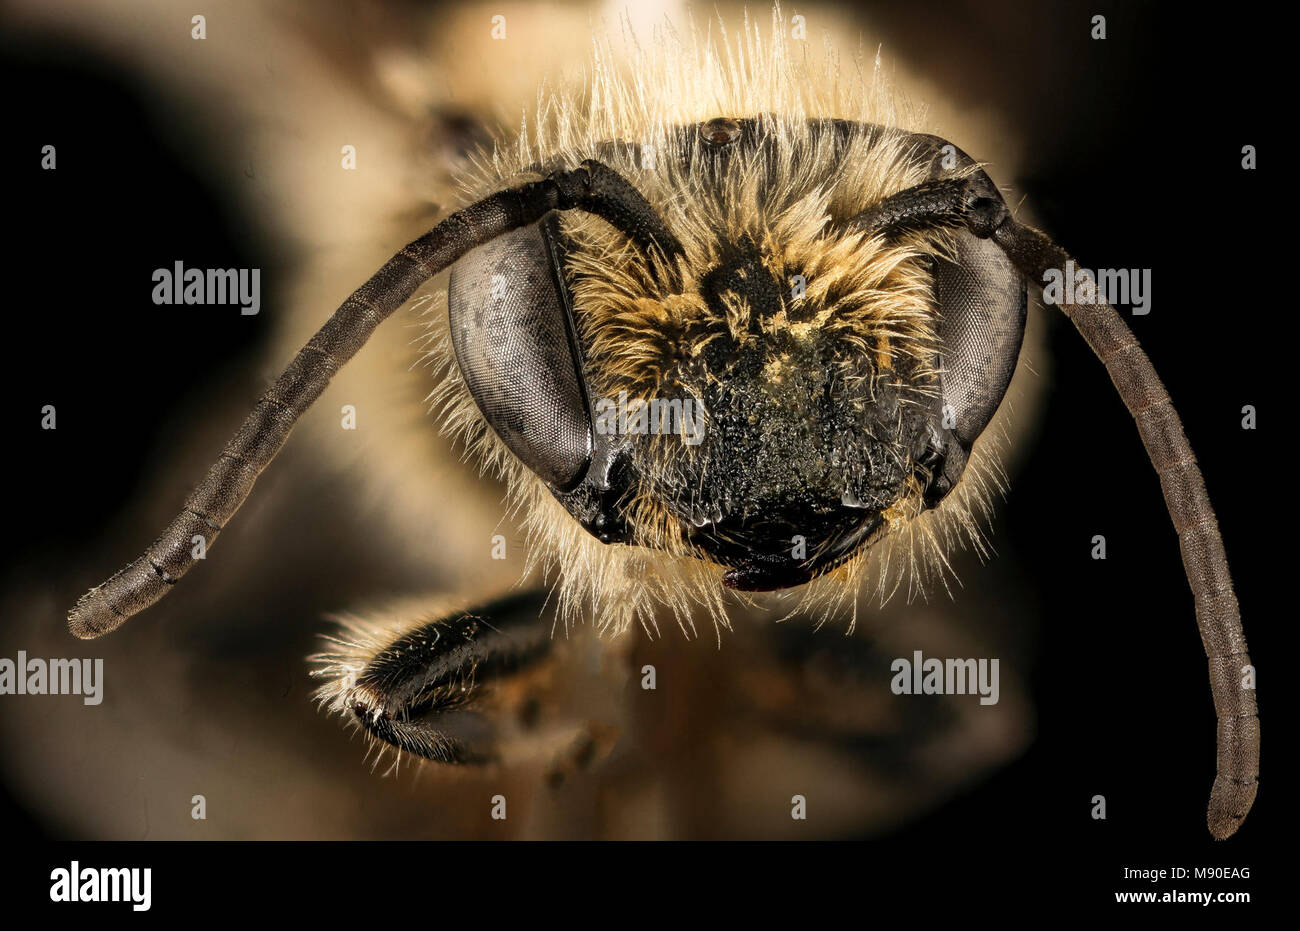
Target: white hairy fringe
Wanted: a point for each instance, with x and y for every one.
(676, 81)
(359, 638)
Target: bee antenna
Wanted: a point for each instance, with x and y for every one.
(592, 187)
(1217, 613)
(974, 203)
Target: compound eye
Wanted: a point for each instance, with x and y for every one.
(514, 344)
(981, 300)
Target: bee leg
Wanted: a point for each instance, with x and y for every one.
(432, 688)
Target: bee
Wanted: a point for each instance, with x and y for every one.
(722, 328)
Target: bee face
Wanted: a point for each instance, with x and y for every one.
(806, 416)
(771, 400)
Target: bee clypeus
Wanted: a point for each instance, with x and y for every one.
(815, 313)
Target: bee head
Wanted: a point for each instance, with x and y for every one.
(772, 394)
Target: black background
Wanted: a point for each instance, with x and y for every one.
(1134, 161)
